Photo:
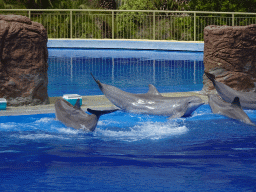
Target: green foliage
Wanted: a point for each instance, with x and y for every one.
(11, 4)
(168, 26)
(138, 5)
(223, 5)
(74, 4)
(174, 27)
(89, 25)
(219, 6)
(140, 24)
(128, 22)
(169, 5)
(3, 5)
(30, 4)
(58, 23)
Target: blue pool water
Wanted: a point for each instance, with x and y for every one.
(128, 152)
(130, 70)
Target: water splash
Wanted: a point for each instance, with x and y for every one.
(7, 126)
(69, 131)
(144, 130)
(44, 120)
(43, 136)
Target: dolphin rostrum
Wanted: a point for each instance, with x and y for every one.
(232, 110)
(74, 116)
(247, 99)
(152, 102)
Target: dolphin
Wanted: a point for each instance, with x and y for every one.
(247, 99)
(152, 102)
(74, 116)
(232, 110)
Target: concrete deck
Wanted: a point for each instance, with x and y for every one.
(94, 102)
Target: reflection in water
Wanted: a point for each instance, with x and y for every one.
(69, 71)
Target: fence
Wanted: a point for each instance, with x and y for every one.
(131, 24)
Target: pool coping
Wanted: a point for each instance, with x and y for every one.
(170, 45)
(95, 102)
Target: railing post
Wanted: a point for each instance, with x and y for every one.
(71, 24)
(154, 25)
(194, 26)
(29, 14)
(113, 25)
(233, 19)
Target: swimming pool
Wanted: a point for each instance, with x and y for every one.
(130, 70)
(128, 152)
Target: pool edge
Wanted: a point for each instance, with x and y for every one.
(94, 102)
(195, 46)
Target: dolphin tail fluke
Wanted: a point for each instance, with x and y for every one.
(210, 76)
(98, 113)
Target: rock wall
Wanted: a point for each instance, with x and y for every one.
(230, 54)
(23, 61)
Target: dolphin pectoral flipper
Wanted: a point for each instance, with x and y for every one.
(177, 115)
(98, 113)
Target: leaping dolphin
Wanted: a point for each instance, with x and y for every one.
(247, 99)
(74, 116)
(152, 102)
(232, 110)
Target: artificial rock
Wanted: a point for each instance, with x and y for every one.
(229, 54)
(23, 61)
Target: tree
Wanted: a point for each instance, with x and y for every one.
(30, 4)
(222, 5)
(108, 4)
(170, 4)
(4, 5)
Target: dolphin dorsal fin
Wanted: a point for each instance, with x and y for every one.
(152, 90)
(236, 102)
(77, 105)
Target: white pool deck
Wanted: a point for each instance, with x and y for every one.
(134, 44)
(100, 101)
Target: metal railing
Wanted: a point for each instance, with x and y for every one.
(131, 24)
